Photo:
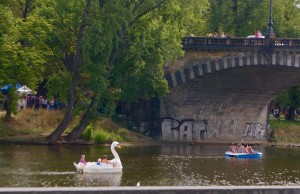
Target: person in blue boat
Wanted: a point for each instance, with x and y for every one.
(241, 148)
(249, 149)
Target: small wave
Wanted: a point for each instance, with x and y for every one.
(186, 157)
(56, 173)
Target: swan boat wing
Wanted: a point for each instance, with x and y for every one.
(94, 168)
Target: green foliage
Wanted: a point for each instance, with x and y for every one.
(58, 85)
(286, 18)
(151, 42)
(107, 104)
(195, 15)
(65, 17)
(101, 137)
(242, 18)
(105, 137)
(13, 100)
(238, 18)
(23, 48)
(123, 133)
(88, 134)
(289, 98)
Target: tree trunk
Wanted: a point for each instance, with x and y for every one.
(55, 135)
(85, 120)
(291, 114)
(8, 108)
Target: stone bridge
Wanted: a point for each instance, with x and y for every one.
(221, 88)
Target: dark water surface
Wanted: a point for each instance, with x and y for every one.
(163, 165)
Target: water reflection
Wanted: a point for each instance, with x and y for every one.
(166, 165)
(98, 179)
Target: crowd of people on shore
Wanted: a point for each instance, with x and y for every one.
(276, 112)
(35, 102)
(38, 102)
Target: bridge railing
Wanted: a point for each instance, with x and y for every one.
(191, 43)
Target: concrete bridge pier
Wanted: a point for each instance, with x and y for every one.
(221, 92)
(208, 110)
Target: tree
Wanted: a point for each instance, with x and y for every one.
(290, 99)
(136, 61)
(286, 18)
(23, 48)
(242, 18)
(53, 137)
(144, 37)
(238, 18)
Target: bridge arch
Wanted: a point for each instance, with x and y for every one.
(194, 67)
(224, 95)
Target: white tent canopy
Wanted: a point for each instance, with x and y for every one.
(24, 90)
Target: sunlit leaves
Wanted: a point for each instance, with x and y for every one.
(24, 49)
(152, 40)
(243, 18)
(58, 85)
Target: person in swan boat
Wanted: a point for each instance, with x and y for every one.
(99, 161)
(82, 160)
(104, 160)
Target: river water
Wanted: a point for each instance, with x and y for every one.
(159, 165)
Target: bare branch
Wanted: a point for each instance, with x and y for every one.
(157, 5)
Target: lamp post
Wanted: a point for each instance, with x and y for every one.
(270, 33)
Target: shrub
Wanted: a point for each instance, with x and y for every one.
(105, 137)
(101, 137)
(88, 133)
(115, 137)
(123, 133)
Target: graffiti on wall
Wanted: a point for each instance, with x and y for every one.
(194, 131)
(203, 130)
(178, 124)
(255, 130)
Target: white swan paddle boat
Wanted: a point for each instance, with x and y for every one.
(114, 166)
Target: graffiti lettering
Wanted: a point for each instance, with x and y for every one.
(254, 130)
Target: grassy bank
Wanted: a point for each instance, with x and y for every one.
(33, 126)
(285, 132)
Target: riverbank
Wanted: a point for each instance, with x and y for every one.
(33, 127)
